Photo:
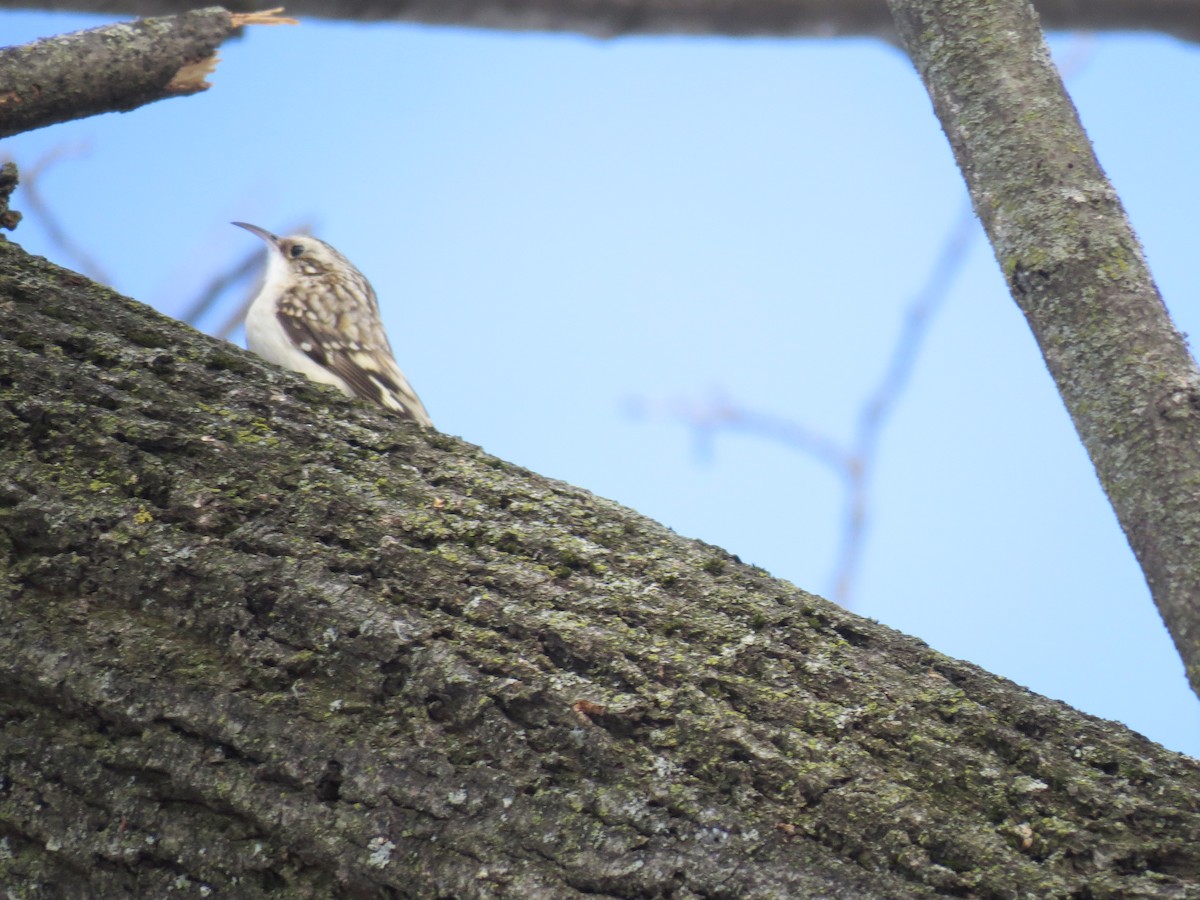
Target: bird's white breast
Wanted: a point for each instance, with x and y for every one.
(266, 337)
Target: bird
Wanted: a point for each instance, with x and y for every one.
(316, 314)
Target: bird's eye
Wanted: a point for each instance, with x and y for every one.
(297, 250)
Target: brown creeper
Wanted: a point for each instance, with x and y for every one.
(317, 315)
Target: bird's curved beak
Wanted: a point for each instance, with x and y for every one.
(261, 232)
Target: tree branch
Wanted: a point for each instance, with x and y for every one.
(854, 461)
(114, 68)
(1075, 268)
(67, 248)
(612, 18)
(261, 640)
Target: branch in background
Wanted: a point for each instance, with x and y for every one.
(853, 463)
(238, 316)
(1076, 270)
(612, 18)
(41, 213)
(115, 68)
(886, 397)
(218, 285)
(253, 261)
(210, 297)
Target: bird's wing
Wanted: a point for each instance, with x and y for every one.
(369, 371)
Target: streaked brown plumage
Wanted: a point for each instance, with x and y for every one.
(317, 314)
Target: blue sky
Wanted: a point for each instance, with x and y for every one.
(558, 226)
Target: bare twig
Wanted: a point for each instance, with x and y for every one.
(214, 291)
(218, 285)
(235, 318)
(40, 211)
(853, 463)
(716, 414)
(886, 396)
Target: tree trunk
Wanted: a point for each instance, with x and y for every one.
(259, 640)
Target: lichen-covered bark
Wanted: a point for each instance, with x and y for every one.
(263, 641)
(1076, 269)
(8, 183)
(610, 18)
(114, 68)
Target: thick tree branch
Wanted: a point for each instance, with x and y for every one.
(610, 18)
(261, 640)
(115, 68)
(1075, 268)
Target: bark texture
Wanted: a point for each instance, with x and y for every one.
(115, 68)
(9, 179)
(612, 18)
(1076, 269)
(258, 640)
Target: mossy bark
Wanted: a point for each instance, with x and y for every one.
(258, 640)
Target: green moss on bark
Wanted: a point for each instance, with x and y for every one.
(265, 641)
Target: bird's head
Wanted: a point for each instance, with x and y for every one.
(301, 254)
